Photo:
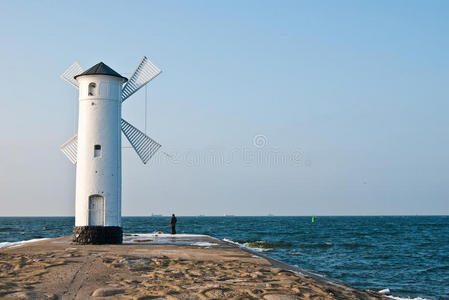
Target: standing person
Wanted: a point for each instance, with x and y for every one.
(173, 224)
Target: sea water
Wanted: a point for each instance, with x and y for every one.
(409, 255)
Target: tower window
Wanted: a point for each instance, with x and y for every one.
(92, 87)
(97, 150)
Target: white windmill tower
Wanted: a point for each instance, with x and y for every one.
(96, 148)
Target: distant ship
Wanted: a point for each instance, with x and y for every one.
(227, 215)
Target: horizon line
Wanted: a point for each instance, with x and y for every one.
(231, 215)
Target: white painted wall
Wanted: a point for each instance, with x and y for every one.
(99, 124)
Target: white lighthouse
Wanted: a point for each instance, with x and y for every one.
(96, 148)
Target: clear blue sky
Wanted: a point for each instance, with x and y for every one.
(351, 98)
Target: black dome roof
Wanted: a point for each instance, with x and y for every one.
(100, 69)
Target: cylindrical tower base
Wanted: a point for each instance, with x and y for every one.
(97, 235)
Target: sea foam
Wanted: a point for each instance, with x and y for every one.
(20, 243)
(387, 293)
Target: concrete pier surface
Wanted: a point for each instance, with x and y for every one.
(156, 266)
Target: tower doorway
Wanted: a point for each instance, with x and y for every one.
(96, 210)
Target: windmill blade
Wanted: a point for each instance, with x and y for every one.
(145, 146)
(72, 71)
(70, 148)
(144, 73)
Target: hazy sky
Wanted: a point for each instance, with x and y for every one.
(282, 107)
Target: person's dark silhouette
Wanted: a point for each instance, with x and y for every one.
(173, 224)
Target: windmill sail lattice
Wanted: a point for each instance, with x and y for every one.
(145, 146)
(70, 148)
(72, 71)
(144, 73)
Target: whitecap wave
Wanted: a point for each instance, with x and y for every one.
(20, 243)
(387, 293)
(247, 246)
(401, 298)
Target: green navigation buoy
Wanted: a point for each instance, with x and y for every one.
(313, 219)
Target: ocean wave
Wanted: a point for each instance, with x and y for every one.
(387, 294)
(264, 244)
(356, 245)
(242, 245)
(401, 298)
(19, 243)
(6, 229)
(436, 269)
(260, 246)
(317, 245)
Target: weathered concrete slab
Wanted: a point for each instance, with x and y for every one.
(155, 266)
